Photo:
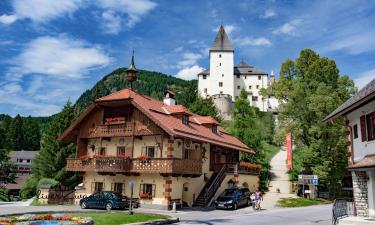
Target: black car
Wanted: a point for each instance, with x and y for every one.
(232, 198)
(106, 200)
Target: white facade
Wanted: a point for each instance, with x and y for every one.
(361, 148)
(225, 78)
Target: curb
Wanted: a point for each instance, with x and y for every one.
(157, 222)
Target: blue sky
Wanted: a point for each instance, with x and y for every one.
(54, 50)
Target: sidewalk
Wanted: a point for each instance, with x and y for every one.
(279, 179)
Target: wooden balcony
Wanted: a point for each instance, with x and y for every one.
(174, 167)
(115, 130)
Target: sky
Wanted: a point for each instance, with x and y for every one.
(52, 51)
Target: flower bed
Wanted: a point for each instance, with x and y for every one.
(47, 219)
(127, 156)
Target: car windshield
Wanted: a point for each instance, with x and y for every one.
(228, 193)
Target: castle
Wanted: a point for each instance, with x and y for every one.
(223, 81)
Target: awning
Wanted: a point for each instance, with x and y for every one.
(367, 163)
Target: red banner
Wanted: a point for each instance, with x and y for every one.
(289, 150)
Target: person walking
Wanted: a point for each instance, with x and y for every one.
(258, 199)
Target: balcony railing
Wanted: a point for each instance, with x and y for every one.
(153, 165)
(115, 130)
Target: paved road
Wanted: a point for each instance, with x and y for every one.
(279, 179)
(320, 215)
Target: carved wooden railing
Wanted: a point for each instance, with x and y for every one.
(114, 130)
(175, 166)
(153, 165)
(98, 165)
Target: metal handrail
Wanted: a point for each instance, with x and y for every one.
(212, 188)
(341, 208)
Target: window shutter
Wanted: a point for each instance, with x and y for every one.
(112, 186)
(92, 187)
(153, 190)
(363, 128)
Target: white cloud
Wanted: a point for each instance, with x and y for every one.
(134, 10)
(189, 73)
(228, 28)
(7, 19)
(61, 57)
(12, 87)
(268, 14)
(364, 78)
(189, 59)
(250, 41)
(355, 43)
(111, 22)
(40, 10)
(289, 28)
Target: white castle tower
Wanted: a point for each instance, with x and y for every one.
(223, 81)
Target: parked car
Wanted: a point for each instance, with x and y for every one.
(106, 200)
(232, 198)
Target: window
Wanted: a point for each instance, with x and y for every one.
(238, 76)
(370, 125)
(219, 55)
(221, 92)
(236, 97)
(245, 77)
(102, 151)
(222, 75)
(204, 77)
(259, 77)
(186, 154)
(238, 87)
(255, 98)
(150, 151)
(121, 150)
(185, 119)
(147, 189)
(250, 87)
(117, 187)
(205, 90)
(97, 186)
(214, 129)
(220, 84)
(219, 64)
(257, 86)
(355, 131)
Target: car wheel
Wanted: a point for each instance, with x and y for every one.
(83, 205)
(108, 206)
(234, 206)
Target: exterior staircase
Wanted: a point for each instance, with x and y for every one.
(205, 197)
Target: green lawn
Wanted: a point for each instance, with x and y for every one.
(300, 202)
(117, 218)
(270, 151)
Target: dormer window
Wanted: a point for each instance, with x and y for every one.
(214, 129)
(185, 119)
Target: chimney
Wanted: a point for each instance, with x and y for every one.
(169, 98)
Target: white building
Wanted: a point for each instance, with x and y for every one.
(359, 112)
(223, 81)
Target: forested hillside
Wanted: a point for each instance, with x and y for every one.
(149, 83)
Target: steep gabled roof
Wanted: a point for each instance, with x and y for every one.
(364, 95)
(243, 68)
(162, 115)
(221, 42)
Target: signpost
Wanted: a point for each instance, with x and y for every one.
(311, 180)
(131, 186)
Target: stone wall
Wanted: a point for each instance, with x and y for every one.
(360, 192)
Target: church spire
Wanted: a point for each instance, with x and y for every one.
(131, 72)
(221, 42)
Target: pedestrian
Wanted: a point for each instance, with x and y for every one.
(258, 199)
(252, 198)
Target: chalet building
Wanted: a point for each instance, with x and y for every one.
(168, 152)
(359, 112)
(22, 161)
(224, 80)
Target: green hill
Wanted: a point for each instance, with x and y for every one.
(149, 83)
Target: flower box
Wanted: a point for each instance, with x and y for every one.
(115, 120)
(145, 196)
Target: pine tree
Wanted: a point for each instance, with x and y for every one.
(51, 160)
(17, 140)
(31, 133)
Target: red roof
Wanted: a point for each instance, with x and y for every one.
(162, 115)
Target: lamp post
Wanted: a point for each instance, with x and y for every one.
(131, 72)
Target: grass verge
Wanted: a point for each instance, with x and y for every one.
(117, 218)
(300, 202)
